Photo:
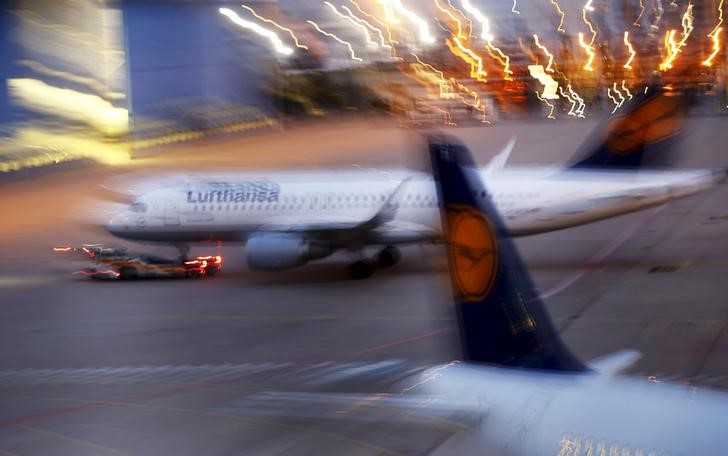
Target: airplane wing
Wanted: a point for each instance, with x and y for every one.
(344, 229)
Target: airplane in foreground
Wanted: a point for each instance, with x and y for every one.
(519, 388)
(287, 219)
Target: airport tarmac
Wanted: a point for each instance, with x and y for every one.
(182, 366)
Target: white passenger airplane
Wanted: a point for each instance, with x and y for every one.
(288, 219)
(518, 388)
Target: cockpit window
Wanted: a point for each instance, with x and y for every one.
(138, 206)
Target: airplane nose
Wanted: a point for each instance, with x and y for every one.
(118, 225)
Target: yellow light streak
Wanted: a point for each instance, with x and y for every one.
(714, 35)
(591, 28)
(476, 62)
(550, 85)
(484, 22)
(588, 6)
(285, 29)
(374, 18)
(463, 15)
(716, 48)
(588, 65)
(551, 112)
(502, 59)
(449, 87)
(331, 35)
(455, 19)
(624, 87)
(720, 19)
(545, 51)
(642, 11)
(367, 35)
(485, 34)
(622, 99)
(614, 100)
(631, 50)
(370, 26)
(561, 14)
(674, 48)
(462, 51)
(269, 34)
(421, 24)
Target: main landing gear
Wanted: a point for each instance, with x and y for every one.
(184, 251)
(364, 268)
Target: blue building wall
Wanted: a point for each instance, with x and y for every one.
(187, 50)
(6, 62)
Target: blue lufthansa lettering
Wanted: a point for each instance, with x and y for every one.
(254, 191)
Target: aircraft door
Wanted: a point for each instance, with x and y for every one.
(171, 212)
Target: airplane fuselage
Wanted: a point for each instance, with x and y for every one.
(527, 413)
(532, 200)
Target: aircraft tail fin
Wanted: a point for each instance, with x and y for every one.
(500, 314)
(642, 133)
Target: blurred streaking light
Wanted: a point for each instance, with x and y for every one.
(367, 24)
(639, 16)
(331, 35)
(513, 9)
(70, 104)
(425, 35)
(561, 14)
(550, 85)
(714, 35)
(372, 17)
(572, 110)
(614, 100)
(285, 29)
(545, 101)
(621, 97)
(582, 105)
(624, 87)
(484, 22)
(589, 51)
(716, 47)
(631, 50)
(272, 36)
(359, 25)
(388, 11)
(674, 48)
(546, 51)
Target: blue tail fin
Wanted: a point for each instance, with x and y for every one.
(500, 315)
(642, 133)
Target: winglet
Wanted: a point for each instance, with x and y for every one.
(498, 162)
(389, 209)
(501, 317)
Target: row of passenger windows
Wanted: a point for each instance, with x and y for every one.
(340, 202)
(292, 207)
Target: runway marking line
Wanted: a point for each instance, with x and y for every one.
(603, 253)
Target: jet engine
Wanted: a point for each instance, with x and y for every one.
(271, 251)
